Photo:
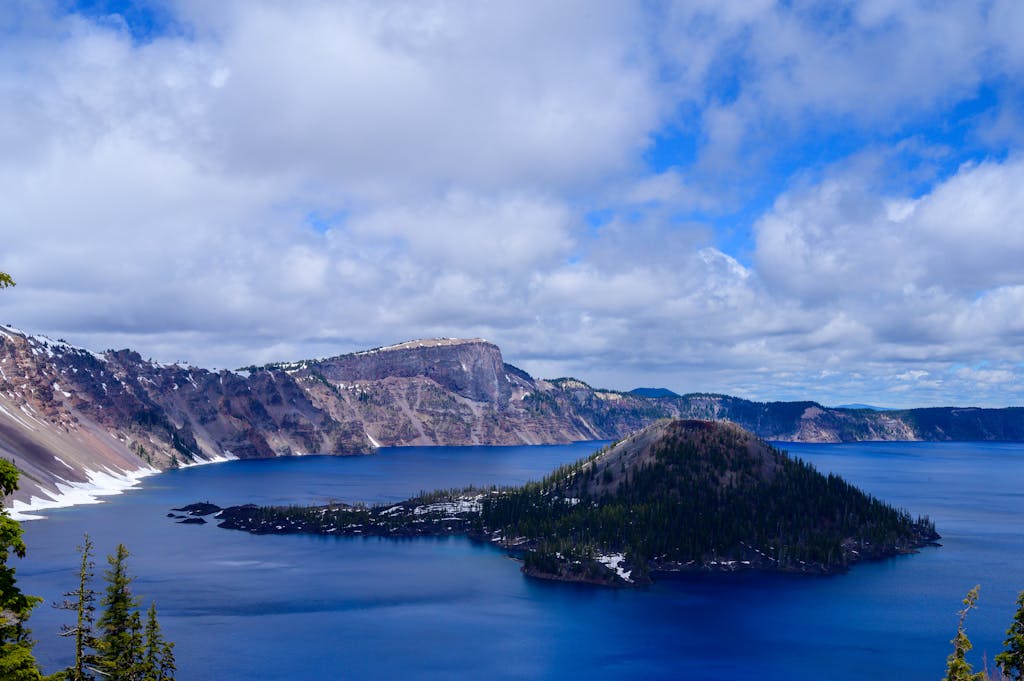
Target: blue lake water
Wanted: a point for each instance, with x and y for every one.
(295, 607)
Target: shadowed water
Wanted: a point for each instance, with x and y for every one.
(293, 607)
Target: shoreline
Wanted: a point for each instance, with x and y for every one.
(460, 516)
(100, 483)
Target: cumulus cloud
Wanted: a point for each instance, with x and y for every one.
(363, 97)
(932, 279)
(251, 181)
(760, 74)
(843, 239)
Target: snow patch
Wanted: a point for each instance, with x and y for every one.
(100, 483)
(226, 456)
(29, 411)
(450, 507)
(614, 562)
(372, 441)
(63, 462)
(421, 343)
(15, 418)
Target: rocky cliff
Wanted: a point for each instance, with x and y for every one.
(75, 421)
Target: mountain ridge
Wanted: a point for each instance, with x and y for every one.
(74, 420)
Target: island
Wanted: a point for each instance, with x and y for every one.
(678, 495)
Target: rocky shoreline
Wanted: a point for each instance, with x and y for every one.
(460, 516)
(677, 496)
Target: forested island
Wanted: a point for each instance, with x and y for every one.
(679, 495)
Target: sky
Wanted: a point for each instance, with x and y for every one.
(774, 200)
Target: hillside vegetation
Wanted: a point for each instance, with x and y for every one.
(694, 494)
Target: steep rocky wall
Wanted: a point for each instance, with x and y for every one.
(68, 415)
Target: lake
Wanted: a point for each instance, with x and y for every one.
(248, 607)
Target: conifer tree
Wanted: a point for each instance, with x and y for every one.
(158, 659)
(957, 666)
(16, 660)
(83, 601)
(1011, 660)
(120, 641)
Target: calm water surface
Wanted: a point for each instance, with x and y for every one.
(291, 607)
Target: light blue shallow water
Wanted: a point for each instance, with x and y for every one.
(293, 607)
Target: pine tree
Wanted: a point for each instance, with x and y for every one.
(120, 640)
(957, 666)
(158, 659)
(5, 280)
(83, 601)
(16, 660)
(1011, 660)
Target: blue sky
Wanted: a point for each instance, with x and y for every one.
(778, 200)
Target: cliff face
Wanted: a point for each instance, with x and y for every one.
(472, 369)
(72, 419)
(68, 415)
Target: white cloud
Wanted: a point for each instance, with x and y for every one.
(361, 97)
(998, 376)
(274, 182)
(763, 74)
(841, 239)
(473, 233)
(933, 279)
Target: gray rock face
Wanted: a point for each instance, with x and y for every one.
(470, 368)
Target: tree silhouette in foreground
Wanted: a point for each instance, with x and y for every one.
(957, 666)
(120, 627)
(16, 660)
(82, 601)
(127, 652)
(158, 656)
(1011, 660)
